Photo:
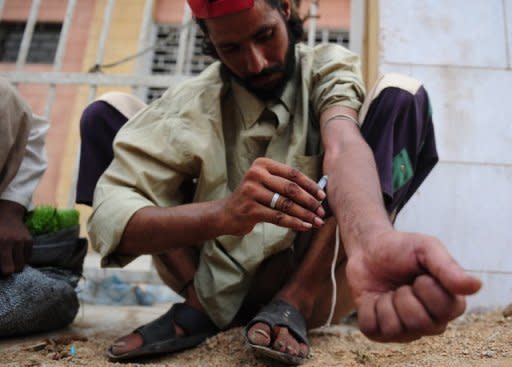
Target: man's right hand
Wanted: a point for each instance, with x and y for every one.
(298, 206)
(15, 240)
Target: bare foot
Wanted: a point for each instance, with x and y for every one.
(278, 339)
(134, 340)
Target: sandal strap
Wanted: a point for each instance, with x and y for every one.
(281, 313)
(191, 320)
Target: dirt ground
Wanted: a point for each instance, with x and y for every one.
(477, 339)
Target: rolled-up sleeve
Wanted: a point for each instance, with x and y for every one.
(148, 169)
(336, 79)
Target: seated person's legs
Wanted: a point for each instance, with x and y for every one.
(397, 125)
(99, 125)
(185, 325)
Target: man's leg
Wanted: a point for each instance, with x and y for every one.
(176, 268)
(308, 288)
(397, 124)
(398, 127)
(99, 125)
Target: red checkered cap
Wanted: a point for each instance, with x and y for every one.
(206, 9)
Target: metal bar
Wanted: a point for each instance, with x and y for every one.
(27, 34)
(59, 55)
(190, 49)
(91, 79)
(184, 33)
(357, 26)
(107, 19)
(325, 36)
(313, 14)
(145, 30)
(2, 3)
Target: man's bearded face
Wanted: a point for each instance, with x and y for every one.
(256, 47)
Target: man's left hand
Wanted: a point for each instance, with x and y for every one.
(406, 286)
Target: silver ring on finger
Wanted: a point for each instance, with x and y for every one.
(273, 202)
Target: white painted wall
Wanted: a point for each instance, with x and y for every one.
(462, 50)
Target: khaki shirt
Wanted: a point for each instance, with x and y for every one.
(22, 152)
(211, 128)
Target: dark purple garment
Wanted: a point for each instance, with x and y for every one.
(398, 120)
(99, 125)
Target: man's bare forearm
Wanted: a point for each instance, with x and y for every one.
(154, 230)
(354, 190)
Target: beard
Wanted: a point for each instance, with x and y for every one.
(286, 70)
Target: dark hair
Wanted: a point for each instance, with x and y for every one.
(295, 25)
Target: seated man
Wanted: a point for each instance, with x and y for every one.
(22, 163)
(40, 253)
(252, 244)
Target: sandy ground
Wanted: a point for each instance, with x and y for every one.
(476, 339)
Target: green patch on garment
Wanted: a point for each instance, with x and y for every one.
(402, 170)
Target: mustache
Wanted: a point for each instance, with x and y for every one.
(265, 72)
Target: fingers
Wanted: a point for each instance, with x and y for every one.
(6, 259)
(288, 206)
(299, 203)
(282, 219)
(434, 257)
(409, 312)
(291, 183)
(27, 250)
(285, 175)
(440, 304)
(18, 258)
(14, 256)
(295, 202)
(414, 317)
(285, 213)
(367, 316)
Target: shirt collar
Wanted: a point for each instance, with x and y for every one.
(251, 107)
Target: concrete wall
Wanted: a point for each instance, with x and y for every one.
(462, 50)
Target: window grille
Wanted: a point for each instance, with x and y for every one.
(339, 36)
(42, 47)
(166, 53)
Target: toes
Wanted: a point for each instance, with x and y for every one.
(285, 342)
(127, 343)
(259, 334)
(303, 350)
